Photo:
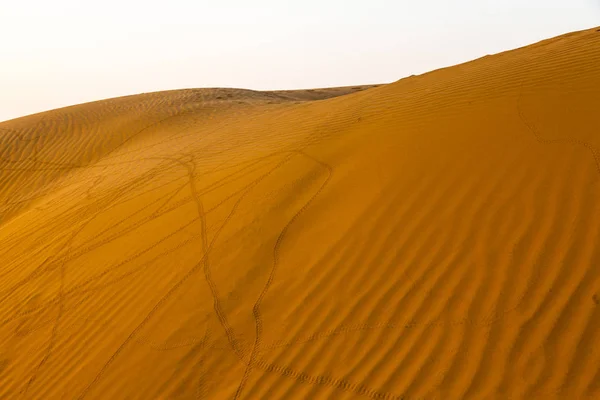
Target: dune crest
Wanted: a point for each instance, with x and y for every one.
(434, 238)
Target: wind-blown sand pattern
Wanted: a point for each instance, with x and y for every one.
(434, 238)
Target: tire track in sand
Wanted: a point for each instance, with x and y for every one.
(276, 260)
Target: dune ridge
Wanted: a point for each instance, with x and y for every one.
(433, 238)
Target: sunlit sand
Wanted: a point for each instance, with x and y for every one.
(433, 238)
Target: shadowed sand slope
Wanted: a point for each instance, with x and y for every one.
(435, 238)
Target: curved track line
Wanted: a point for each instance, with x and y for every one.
(276, 261)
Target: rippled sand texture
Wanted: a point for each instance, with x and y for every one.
(434, 238)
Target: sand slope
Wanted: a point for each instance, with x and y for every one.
(435, 238)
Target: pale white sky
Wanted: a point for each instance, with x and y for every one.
(63, 52)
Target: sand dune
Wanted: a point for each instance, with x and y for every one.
(434, 238)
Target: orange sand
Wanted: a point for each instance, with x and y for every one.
(435, 238)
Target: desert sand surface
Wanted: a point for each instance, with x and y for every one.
(433, 238)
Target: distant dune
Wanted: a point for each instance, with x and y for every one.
(434, 238)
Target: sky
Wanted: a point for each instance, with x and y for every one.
(63, 52)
